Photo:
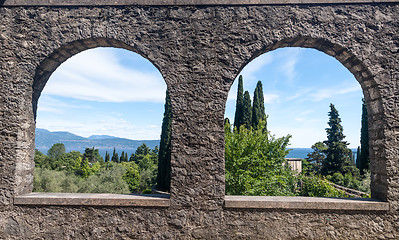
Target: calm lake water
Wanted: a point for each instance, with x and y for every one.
(303, 152)
(294, 153)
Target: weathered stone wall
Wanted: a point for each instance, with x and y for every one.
(199, 50)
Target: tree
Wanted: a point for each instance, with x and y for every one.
(122, 158)
(258, 106)
(238, 117)
(164, 155)
(338, 155)
(247, 111)
(132, 177)
(358, 157)
(41, 160)
(316, 158)
(107, 157)
(255, 163)
(56, 150)
(364, 160)
(115, 157)
(92, 155)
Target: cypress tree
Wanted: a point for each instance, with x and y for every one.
(164, 155)
(106, 157)
(114, 156)
(247, 110)
(122, 158)
(258, 106)
(238, 117)
(364, 163)
(338, 155)
(358, 157)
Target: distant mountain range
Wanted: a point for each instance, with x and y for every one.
(45, 139)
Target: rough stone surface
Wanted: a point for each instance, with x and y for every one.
(199, 50)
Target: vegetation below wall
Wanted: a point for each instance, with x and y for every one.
(90, 173)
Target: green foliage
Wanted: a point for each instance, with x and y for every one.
(239, 114)
(107, 157)
(56, 150)
(364, 159)
(74, 172)
(258, 106)
(254, 163)
(41, 160)
(316, 158)
(106, 181)
(147, 191)
(92, 155)
(132, 177)
(317, 187)
(115, 157)
(247, 111)
(164, 155)
(338, 155)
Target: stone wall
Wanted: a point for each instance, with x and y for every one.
(199, 51)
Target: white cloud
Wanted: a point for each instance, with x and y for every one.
(271, 98)
(291, 56)
(250, 71)
(53, 105)
(341, 89)
(105, 125)
(98, 75)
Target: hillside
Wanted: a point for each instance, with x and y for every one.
(45, 139)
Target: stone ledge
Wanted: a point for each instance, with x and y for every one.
(93, 199)
(309, 203)
(177, 2)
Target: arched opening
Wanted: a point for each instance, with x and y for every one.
(98, 119)
(298, 96)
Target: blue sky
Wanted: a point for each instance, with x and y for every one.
(116, 92)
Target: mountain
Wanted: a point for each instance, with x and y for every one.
(45, 139)
(98, 137)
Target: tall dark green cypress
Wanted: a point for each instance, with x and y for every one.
(114, 156)
(258, 107)
(358, 157)
(338, 155)
(364, 163)
(238, 117)
(164, 169)
(122, 158)
(106, 157)
(247, 110)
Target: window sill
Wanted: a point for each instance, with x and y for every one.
(310, 203)
(92, 199)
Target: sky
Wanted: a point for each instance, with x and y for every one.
(110, 91)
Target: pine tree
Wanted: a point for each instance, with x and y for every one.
(238, 117)
(338, 155)
(364, 163)
(247, 110)
(258, 106)
(164, 156)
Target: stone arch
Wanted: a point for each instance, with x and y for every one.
(367, 82)
(60, 55)
(46, 68)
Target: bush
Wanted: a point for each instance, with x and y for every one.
(106, 181)
(254, 163)
(316, 187)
